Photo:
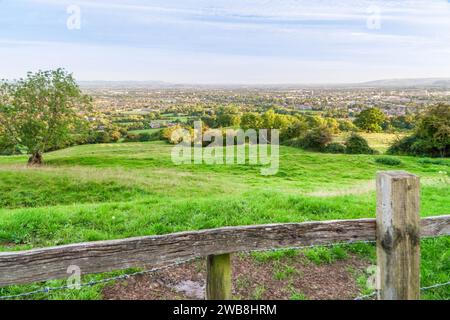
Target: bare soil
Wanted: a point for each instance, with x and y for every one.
(286, 278)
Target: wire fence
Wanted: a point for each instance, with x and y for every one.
(434, 286)
(182, 262)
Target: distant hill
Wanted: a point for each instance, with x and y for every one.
(419, 82)
(125, 84)
(386, 83)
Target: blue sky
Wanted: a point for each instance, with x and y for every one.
(228, 41)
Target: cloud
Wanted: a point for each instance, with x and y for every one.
(308, 35)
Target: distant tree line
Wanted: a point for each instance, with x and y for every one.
(431, 136)
(47, 111)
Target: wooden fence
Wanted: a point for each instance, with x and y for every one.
(397, 231)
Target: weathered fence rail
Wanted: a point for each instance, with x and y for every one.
(397, 231)
(152, 251)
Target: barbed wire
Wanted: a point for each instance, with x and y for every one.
(126, 276)
(181, 262)
(366, 296)
(437, 285)
(95, 282)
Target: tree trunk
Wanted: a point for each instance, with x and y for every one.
(35, 159)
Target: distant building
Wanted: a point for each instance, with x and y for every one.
(303, 107)
(155, 125)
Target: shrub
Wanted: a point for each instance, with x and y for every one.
(355, 144)
(402, 146)
(346, 125)
(431, 137)
(176, 134)
(388, 161)
(414, 145)
(142, 137)
(7, 147)
(296, 143)
(440, 162)
(433, 129)
(317, 138)
(335, 147)
(9, 150)
(131, 137)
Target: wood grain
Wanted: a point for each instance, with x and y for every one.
(398, 236)
(152, 251)
(218, 277)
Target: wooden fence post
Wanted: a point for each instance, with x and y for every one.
(218, 282)
(398, 236)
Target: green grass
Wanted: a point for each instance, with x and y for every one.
(111, 191)
(153, 130)
(378, 141)
(322, 255)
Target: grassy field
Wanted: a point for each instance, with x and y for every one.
(111, 191)
(377, 141)
(153, 130)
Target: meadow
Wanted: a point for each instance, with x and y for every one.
(378, 141)
(112, 191)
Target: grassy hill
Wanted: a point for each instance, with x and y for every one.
(110, 191)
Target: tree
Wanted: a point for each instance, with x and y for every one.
(431, 136)
(317, 138)
(404, 122)
(316, 121)
(332, 124)
(268, 119)
(433, 128)
(355, 144)
(251, 120)
(295, 129)
(370, 120)
(42, 112)
(346, 125)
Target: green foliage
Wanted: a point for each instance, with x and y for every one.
(278, 255)
(321, 255)
(142, 137)
(389, 161)
(298, 296)
(177, 133)
(335, 147)
(431, 137)
(403, 122)
(435, 266)
(370, 120)
(434, 129)
(355, 144)
(440, 162)
(332, 124)
(252, 120)
(259, 292)
(7, 146)
(294, 129)
(403, 145)
(317, 138)
(346, 125)
(42, 111)
(283, 272)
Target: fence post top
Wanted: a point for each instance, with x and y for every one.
(396, 174)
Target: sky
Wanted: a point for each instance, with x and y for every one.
(227, 41)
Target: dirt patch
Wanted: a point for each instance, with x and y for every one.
(7, 245)
(285, 278)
